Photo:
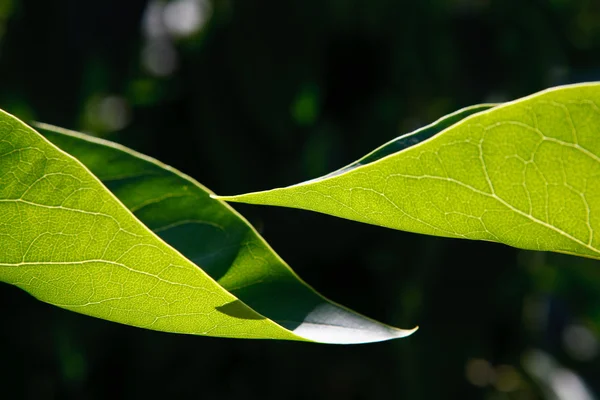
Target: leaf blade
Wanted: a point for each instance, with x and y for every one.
(141, 183)
(524, 173)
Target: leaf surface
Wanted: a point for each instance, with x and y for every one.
(525, 173)
(413, 138)
(193, 266)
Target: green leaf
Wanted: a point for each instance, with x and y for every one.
(69, 241)
(413, 138)
(525, 173)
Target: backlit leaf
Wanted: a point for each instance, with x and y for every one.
(525, 173)
(193, 266)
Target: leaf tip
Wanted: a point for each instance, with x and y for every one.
(413, 330)
(223, 198)
(402, 333)
(328, 323)
(220, 198)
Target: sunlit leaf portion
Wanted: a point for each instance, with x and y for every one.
(69, 241)
(526, 173)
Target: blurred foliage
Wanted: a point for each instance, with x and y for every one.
(268, 93)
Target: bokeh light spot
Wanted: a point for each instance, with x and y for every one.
(479, 372)
(580, 343)
(160, 58)
(183, 18)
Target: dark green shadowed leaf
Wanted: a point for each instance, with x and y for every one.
(525, 173)
(242, 288)
(411, 139)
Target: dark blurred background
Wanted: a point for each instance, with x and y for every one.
(248, 95)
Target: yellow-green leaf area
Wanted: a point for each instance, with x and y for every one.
(68, 241)
(525, 173)
(96, 228)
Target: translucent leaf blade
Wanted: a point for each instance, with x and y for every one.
(86, 252)
(525, 173)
